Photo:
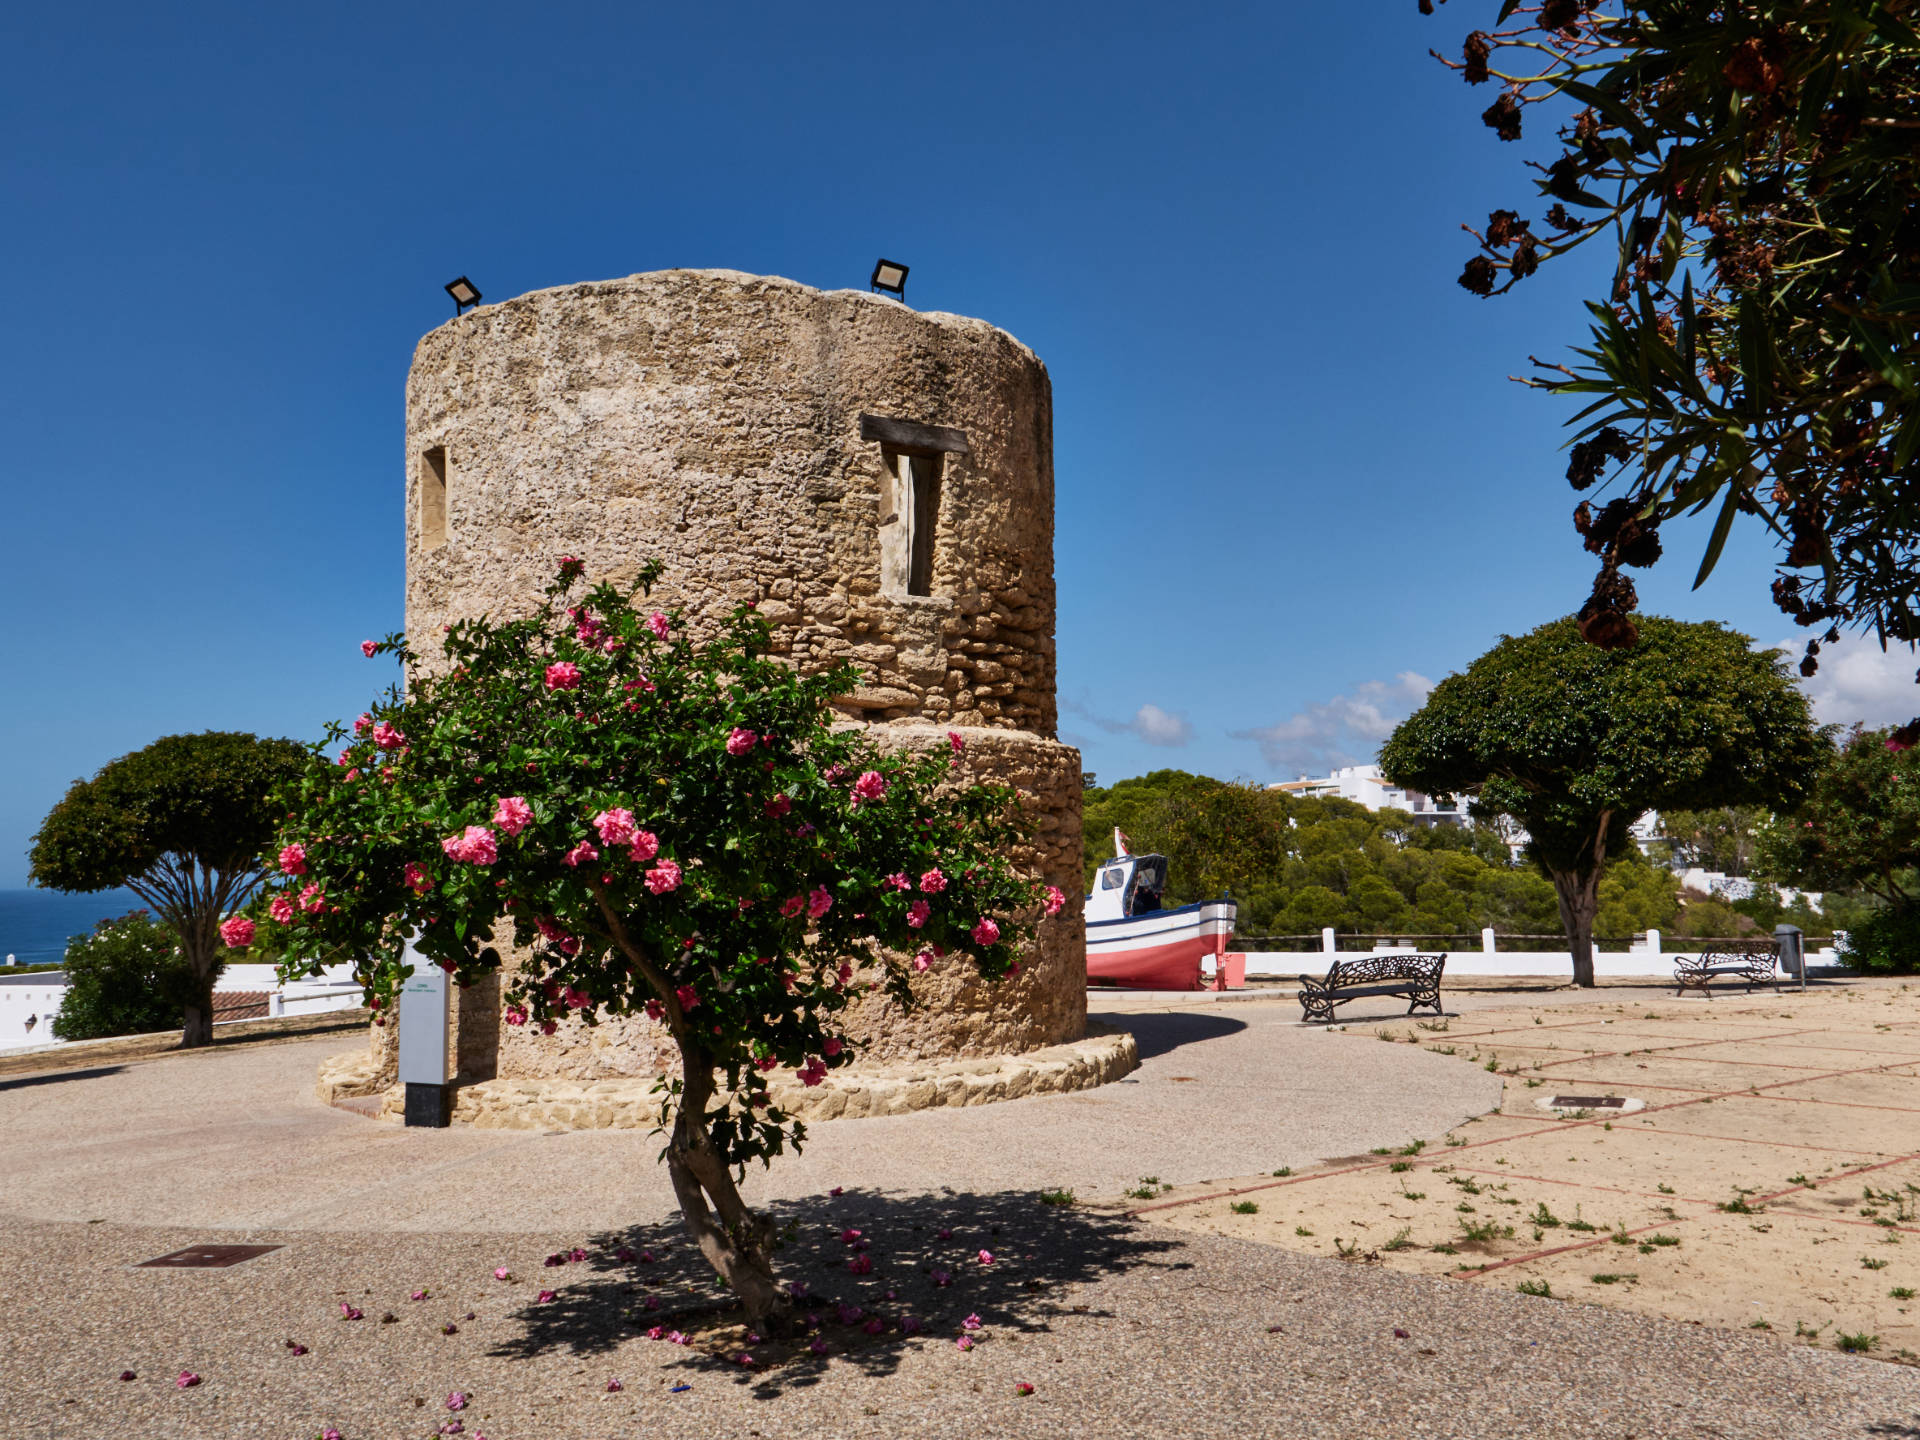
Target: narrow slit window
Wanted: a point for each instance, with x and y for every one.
(433, 498)
(913, 456)
(918, 477)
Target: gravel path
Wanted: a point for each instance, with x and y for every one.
(1122, 1327)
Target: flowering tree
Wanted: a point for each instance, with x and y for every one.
(1754, 165)
(672, 827)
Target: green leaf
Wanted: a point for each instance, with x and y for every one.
(1718, 540)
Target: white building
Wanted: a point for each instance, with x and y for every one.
(1365, 785)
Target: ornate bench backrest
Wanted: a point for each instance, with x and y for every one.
(1760, 954)
(1371, 969)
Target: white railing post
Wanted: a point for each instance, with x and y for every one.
(1326, 940)
(276, 1005)
(1653, 942)
(1486, 941)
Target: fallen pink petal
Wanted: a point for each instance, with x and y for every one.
(187, 1380)
(457, 1401)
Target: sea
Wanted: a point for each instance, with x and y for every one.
(35, 925)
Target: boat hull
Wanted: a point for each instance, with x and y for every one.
(1159, 951)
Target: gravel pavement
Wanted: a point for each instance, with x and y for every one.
(1121, 1327)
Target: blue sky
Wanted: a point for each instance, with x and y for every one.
(1291, 471)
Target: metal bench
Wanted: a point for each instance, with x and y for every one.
(1414, 977)
(1755, 964)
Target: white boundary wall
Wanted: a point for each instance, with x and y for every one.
(1645, 958)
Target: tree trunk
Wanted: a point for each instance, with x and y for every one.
(204, 963)
(737, 1242)
(1579, 897)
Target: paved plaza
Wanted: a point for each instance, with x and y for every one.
(1123, 1324)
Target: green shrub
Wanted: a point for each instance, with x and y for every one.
(1887, 941)
(126, 978)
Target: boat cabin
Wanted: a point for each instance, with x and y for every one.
(1128, 885)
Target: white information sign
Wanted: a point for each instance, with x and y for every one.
(423, 1022)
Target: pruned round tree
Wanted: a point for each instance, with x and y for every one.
(666, 826)
(182, 824)
(1576, 742)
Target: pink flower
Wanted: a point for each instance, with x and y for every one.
(923, 961)
(819, 902)
(986, 1257)
(236, 932)
(957, 741)
(918, 913)
(616, 827)
(972, 1322)
(688, 997)
(1898, 745)
(1056, 899)
(645, 846)
(578, 999)
(986, 932)
(812, 1073)
(512, 814)
(312, 900)
(870, 786)
(657, 623)
(793, 905)
(362, 725)
(456, 1401)
(897, 881)
(741, 741)
(563, 675)
(417, 880)
(860, 1265)
(817, 1345)
(475, 845)
(281, 910)
(664, 877)
(1023, 1388)
(833, 1046)
(503, 1273)
(547, 1297)
(293, 859)
(655, 1010)
(367, 648)
(388, 738)
(418, 1295)
(943, 1277)
(614, 1387)
(349, 1312)
(655, 1332)
(187, 1380)
(583, 851)
(515, 1015)
(965, 1342)
(933, 882)
(778, 806)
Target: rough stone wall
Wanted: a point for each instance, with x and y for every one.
(712, 420)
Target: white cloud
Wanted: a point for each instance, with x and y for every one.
(1345, 730)
(1149, 723)
(1858, 681)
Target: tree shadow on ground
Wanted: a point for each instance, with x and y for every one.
(1163, 1034)
(59, 1076)
(877, 1276)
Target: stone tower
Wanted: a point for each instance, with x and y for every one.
(879, 480)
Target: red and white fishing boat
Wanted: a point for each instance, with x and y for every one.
(1132, 941)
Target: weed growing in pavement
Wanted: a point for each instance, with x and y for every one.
(1446, 1050)
(1440, 1026)
(1535, 1287)
(1460, 1141)
(1402, 1240)
(1406, 1194)
(1056, 1197)
(1244, 1207)
(1492, 1067)
(1801, 1332)
(1658, 1242)
(1381, 1150)
(1535, 1084)
(1484, 1231)
(1283, 1172)
(1901, 1292)
(1609, 1279)
(1466, 1209)
(1798, 1180)
(1759, 1324)
(1858, 1344)
(1414, 1149)
(1545, 1218)
(1399, 1167)
(1443, 1249)
(1303, 1232)
(1867, 1263)
(1737, 1206)
(1148, 1187)
(1465, 1182)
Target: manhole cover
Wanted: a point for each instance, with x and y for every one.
(206, 1257)
(1592, 1104)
